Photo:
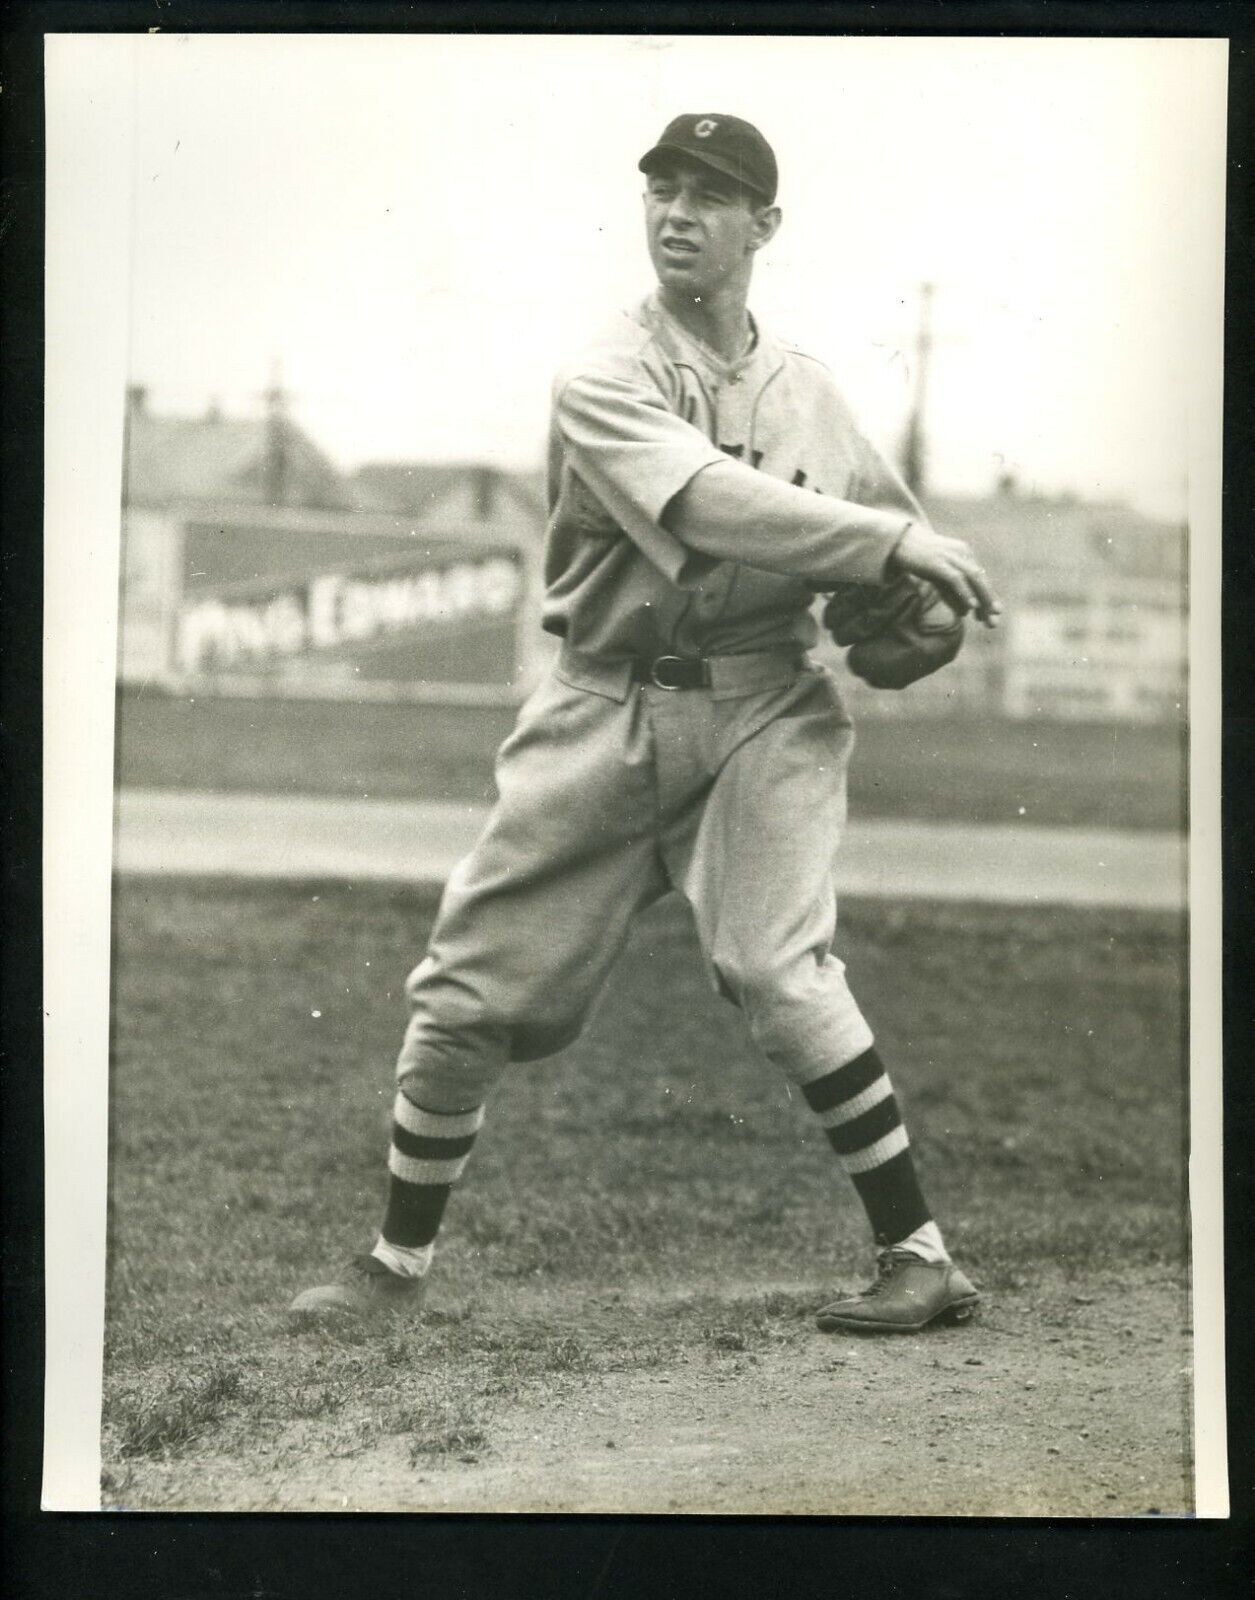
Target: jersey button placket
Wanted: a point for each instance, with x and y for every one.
(734, 414)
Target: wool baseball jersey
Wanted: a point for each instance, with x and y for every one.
(793, 499)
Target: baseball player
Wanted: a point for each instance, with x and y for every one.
(706, 483)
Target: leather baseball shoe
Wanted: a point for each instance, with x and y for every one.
(907, 1295)
(367, 1290)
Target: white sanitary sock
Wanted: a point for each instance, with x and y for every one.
(926, 1243)
(406, 1263)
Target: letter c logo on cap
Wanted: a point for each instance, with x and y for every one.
(705, 128)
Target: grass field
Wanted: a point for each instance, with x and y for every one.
(1065, 774)
(652, 1201)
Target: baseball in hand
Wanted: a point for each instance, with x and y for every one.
(952, 565)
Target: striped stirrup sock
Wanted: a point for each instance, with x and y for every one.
(858, 1110)
(429, 1152)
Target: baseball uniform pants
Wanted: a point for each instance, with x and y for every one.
(612, 793)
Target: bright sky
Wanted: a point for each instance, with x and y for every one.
(420, 228)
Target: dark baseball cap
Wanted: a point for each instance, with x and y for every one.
(728, 144)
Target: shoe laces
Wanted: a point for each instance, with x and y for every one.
(888, 1264)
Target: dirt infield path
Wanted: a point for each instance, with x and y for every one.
(1035, 1410)
(268, 836)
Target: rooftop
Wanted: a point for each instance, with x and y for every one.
(236, 460)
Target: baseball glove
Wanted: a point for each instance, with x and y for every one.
(896, 632)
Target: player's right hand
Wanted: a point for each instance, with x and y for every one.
(952, 565)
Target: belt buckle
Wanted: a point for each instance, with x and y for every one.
(660, 661)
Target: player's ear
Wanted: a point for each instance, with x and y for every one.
(766, 223)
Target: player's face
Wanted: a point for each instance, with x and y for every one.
(702, 228)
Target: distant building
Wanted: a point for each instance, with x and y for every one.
(456, 493)
(1096, 605)
(1095, 624)
(1020, 535)
(212, 459)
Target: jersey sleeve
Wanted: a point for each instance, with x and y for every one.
(633, 454)
(684, 502)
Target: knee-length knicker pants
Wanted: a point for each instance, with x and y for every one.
(610, 794)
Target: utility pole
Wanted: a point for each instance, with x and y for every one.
(276, 474)
(913, 443)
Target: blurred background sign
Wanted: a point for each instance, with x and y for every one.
(253, 567)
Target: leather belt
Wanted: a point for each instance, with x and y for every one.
(673, 672)
(754, 669)
(752, 672)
